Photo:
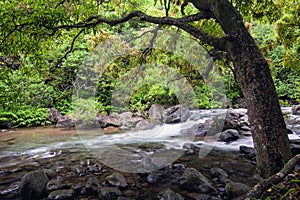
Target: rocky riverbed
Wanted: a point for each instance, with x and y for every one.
(61, 163)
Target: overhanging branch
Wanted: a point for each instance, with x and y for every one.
(182, 23)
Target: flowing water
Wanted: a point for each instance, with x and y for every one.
(26, 149)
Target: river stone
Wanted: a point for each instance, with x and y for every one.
(231, 120)
(61, 194)
(33, 184)
(175, 114)
(199, 196)
(109, 193)
(53, 185)
(296, 110)
(117, 179)
(145, 124)
(65, 121)
(199, 130)
(219, 173)
(193, 181)
(92, 185)
(105, 121)
(229, 135)
(168, 194)
(156, 112)
(53, 115)
(234, 189)
(247, 150)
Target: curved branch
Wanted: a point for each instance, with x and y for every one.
(265, 184)
(182, 23)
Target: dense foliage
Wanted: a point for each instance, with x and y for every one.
(39, 58)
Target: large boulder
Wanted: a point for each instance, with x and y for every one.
(128, 120)
(176, 114)
(33, 185)
(199, 130)
(65, 121)
(193, 181)
(106, 121)
(296, 110)
(156, 112)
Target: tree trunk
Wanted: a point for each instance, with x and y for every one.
(268, 127)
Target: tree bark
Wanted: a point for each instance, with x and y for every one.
(252, 71)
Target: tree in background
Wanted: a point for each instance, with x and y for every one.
(31, 24)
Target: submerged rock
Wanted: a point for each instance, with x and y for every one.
(193, 181)
(117, 179)
(33, 185)
(61, 194)
(109, 193)
(168, 194)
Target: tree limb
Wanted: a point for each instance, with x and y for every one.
(182, 23)
(265, 184)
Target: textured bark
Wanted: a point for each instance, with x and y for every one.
(269, 130)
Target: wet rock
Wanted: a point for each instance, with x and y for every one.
(128, 120)
(156, 112)
(53, 115)
(61, 194)
(145, 125)
(193, 181)
(65, 121)
(33, 184)
(117, 179)
(296, 110)
(231, 120)
(229, 135)
(53, 185)
(199, 196)
(175, 114)
(168, 194)
(106, 121)
(220, 174)
(234, 189)
(247, 150)
(50, 173)
(295, 147)
(109, 193)
(199, 130)
(92, 185)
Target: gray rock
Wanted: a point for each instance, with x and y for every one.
(145, 124)
(231, 120)
(219, 173)
(92, 185)
(33, 185)
(193, 181)
(168, 194)
(229, 135)
(234, 189)
(53, 185)
(247, 150)
(199, 196)
(117, 179)
(156, 112)
(199, 130)
(176, 114)
(53, 115)
(109, 193)
(105, 121)
(61, 194)
(64, 121)
(296, 110)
